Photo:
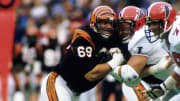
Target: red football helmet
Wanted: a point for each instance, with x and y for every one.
(103, 14)
(162, 13)
(132, 15)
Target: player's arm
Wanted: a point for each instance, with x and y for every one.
(172, 80)
(100, 70)
(157, 90)
(83, 49)
(130, 72)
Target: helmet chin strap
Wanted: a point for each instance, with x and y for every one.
(106, 36)
(93, 26)
(126, 39)
(165, 26)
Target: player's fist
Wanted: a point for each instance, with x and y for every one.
(113, 51)
(162, 65)
(117, 57)
(165, 62)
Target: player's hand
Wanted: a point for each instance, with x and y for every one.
(165, 62)
(116, 53)
(162, 65)
(117, 57)
(113, 51)
(155, 91)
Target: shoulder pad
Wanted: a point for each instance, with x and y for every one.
(83, 34)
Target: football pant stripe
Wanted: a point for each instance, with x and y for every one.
(138, 89)
(51, 91)
(53, 88)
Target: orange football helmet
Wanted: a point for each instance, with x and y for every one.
(135, 17)
(106, 14)
(162, 13)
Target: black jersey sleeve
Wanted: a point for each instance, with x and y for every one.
(83, 52)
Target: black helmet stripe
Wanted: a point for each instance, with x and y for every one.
(167, 11)
(99, 8)
(140, 14)
(106, 13)
(106, 10)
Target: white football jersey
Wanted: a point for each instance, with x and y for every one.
(139, 45)
(174, 41)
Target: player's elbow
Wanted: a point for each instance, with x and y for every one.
(129, 76)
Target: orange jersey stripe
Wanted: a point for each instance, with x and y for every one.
(138, 92)
(83, 34)
(50, 88)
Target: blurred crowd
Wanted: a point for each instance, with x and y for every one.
(44, 29)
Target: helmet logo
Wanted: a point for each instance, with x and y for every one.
(167, 11)
(140, 14)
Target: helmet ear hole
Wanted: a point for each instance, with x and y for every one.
(139, 24)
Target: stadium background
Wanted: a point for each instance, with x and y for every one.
(43, 30)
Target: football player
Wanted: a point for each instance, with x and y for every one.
(82, 67)
(162, 20)
(146, 57)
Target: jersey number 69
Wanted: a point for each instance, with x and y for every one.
(84, 51)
